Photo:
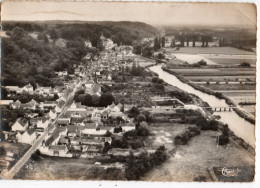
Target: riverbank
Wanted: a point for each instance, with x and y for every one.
(239, 112)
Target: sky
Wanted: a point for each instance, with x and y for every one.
(148, 12)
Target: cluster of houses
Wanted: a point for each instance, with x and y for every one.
(82, 131)
(27, 129)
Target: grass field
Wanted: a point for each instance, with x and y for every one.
(197, 157)
(163, 134)
(55, 168)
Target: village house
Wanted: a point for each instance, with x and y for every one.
(43, 90)
(6, 102)
(43, 122)
(47, 104)
(64, 140)
(58, 150)
(52, 114)
(53, 139)
(73, 131)
(62, 73)
(13, 89)
(88, 44)
(94, 90)
(27, 137)
(31, 115)
(28, 89)
(33, 122)
(59, 106)
(16, 104)
(75, 141)
(93, 132)
(21, 124)
(63, 121)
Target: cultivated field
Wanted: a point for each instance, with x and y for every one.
(210, 50)
(230, 61)
(223, 72)
(222, 78)
(214, 72)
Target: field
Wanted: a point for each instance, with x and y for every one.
(193, 58)
(51, 168)
(229, 61)
(210, 50)
(222, 78)
(222, 74)
(213, 55)
(192, 160)
(241, 95)
(15, 149)
(214, 72)
(164, 133)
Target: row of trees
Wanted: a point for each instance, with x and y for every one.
(138, 166)
(159, 42)
(136, 70)
(94, 100)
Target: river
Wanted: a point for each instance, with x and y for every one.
(238, 125)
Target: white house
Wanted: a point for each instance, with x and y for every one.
(59, 106)
(20, 125)
(43, 122)
(27, 137)
(52, 114)
(88, 44)
(58, 150)
(16, 104)
(6, 102)
(28, 88)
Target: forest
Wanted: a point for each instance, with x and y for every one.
(31, 55)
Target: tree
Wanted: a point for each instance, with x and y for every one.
(95, 100)
(45, 39)
(173, 43)
(143, 130)
(163, 42)
(245, 64)
(18, 33)
(134, 111)
(53, 35)
(156, 44)
(106, 99)
(2, 151)
(141, 118)
(88, 100)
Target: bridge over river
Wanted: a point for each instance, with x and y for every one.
(220, 109)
